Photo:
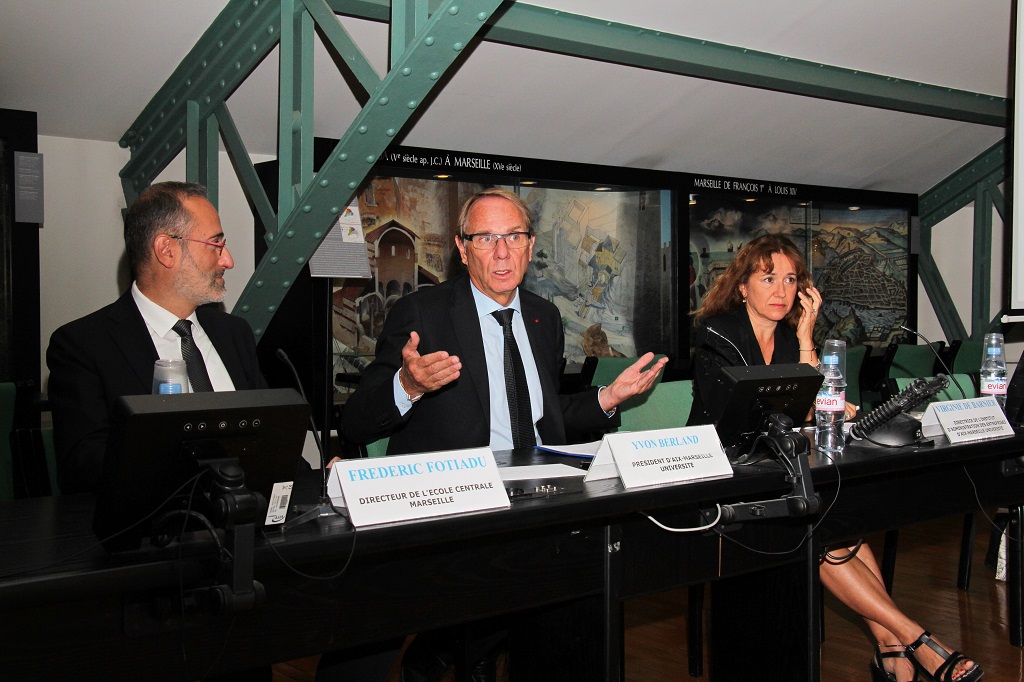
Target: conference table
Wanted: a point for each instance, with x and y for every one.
(558, 564)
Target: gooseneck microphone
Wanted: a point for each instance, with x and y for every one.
(939, 358)
(283, 357)
(726, 339)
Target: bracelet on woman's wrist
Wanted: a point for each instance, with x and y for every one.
(808, 350)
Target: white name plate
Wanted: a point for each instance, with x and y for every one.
(406, 487)
(642, 458)
(964, 421)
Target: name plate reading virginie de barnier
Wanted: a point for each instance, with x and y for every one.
(642, 458)
(964, 421)
(405, 487)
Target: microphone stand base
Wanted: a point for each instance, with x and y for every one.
(323, 508)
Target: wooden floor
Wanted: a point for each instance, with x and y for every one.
(925, 588)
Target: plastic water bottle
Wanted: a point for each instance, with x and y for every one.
(830, 405)
(993, 369)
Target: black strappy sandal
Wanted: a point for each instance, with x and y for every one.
(878, 671)
(944, 673)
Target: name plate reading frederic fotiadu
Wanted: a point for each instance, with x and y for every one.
(406, 487)
(642, 458)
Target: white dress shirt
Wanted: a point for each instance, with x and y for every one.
(160, 323)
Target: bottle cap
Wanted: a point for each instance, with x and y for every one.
(830, 360)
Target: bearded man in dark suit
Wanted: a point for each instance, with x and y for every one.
(178, 256)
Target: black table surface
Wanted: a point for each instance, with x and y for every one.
(50, 558)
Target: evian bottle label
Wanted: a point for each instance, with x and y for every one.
(995, 386)
(826, 402)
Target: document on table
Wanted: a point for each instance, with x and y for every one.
(539, 471)
(579, 450)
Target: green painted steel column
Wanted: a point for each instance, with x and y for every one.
(202, 162)
(407, 18)
(981, 292)
(295, 107)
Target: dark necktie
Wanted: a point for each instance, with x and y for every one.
(519, 410)
(194, 365)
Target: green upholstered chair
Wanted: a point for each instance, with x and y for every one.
(46, 435)
(377, 448)
(7, 396)
(967, 382)
(602, 371)
(665, 406)
(966, 356)
(854, 364)
(910, 360)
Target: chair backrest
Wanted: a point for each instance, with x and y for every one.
(968, 357)
(7, 397)
(377, 448)
(909, 360)
(966, 381)
(665, 406)
(854, 363)
(603, 371)
(46, 435)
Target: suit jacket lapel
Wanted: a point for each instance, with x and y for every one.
(220, 336)
(466, 326)
(131, 336)
(540, 345)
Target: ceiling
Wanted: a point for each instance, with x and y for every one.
(89, 67)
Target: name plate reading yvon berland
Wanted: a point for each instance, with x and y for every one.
(406, 487)
(642, 458)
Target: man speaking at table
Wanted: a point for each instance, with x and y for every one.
(444, 377)
(475, 362)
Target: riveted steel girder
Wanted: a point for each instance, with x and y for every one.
(433, 50)
(234, 45)
(958, 189)
(975, 183)
(542, 28)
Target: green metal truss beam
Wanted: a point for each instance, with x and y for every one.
(525, 25)
(186, 111)
(957, 189)
(244, 169)
(343, 44)
(975, 183)
(234, 45)
(434, 49)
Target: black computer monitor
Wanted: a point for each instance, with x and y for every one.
(751, 394)
(160, 449)
(1015, 396)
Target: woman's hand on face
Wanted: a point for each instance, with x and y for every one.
(810, 303)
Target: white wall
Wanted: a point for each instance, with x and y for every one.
(81, 245)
